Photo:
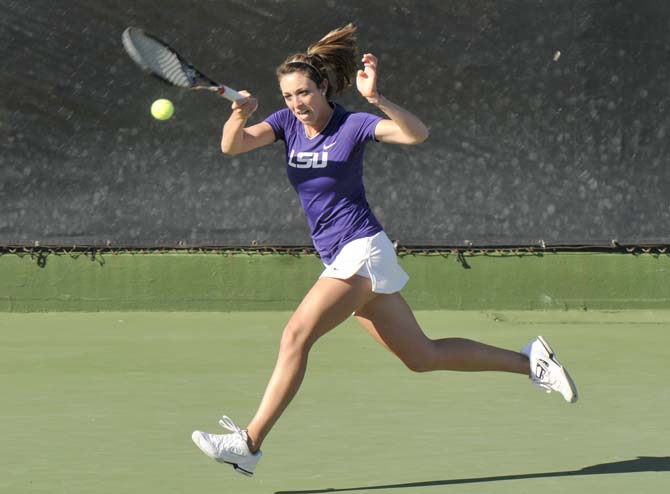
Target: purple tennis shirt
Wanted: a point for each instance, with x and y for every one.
(327, 173)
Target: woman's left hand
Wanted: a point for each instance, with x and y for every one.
(366, 79)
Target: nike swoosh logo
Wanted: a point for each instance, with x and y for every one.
(329, 145)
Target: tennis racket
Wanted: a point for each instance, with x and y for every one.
(159, 59)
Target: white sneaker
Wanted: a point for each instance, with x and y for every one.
(228, 448)
(547, 372)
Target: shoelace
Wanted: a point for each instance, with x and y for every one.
(227, 423)
(236, 443)
(547, 382)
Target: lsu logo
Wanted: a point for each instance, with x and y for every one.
(308, 160)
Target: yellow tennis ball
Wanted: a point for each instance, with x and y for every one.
(162, 109)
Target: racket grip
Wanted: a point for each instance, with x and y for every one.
(229, 94)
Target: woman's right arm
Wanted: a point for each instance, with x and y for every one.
(236, 138)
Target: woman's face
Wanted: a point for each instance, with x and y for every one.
(304, 98)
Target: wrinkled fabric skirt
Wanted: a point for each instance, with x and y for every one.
(373, 257)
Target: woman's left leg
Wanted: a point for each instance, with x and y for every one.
(326, 305)
(390, 321)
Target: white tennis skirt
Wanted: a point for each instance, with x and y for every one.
(373, 257)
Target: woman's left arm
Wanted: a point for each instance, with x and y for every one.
(402, 127)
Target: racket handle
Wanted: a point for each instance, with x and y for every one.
(229, 94)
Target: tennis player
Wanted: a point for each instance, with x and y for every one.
(324, 146)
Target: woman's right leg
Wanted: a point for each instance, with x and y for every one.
(390, 321)
(328, 303)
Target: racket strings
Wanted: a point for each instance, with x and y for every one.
(158, 59)
(165, 63)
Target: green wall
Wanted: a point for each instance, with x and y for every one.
(181, 281)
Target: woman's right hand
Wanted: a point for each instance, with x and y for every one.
(244, 108)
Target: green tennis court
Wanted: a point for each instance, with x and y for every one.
(105, 402)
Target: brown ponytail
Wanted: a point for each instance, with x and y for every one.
(333, 57)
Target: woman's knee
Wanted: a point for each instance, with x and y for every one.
(297, 337)
(421, 359)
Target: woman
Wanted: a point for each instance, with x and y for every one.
(324, 150)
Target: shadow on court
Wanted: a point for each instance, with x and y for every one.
(640, 464)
